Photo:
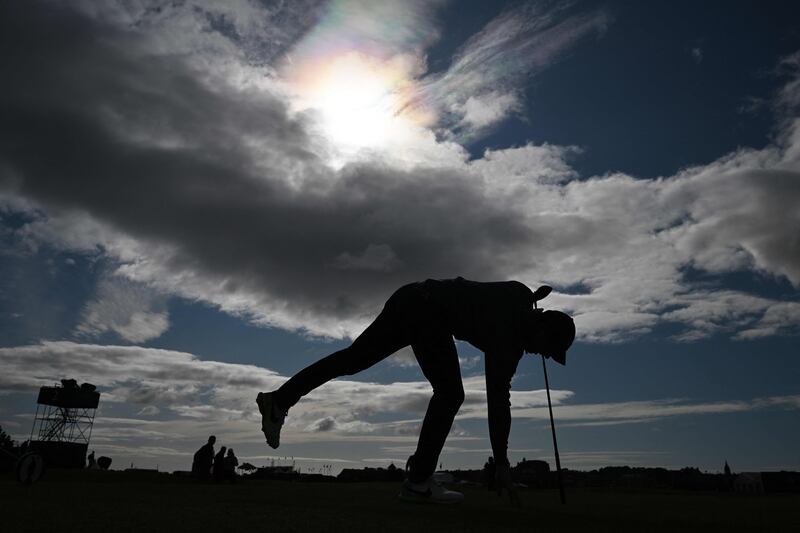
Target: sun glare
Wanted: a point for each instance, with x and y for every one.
(357, 99)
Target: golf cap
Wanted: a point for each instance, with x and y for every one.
(561, 333)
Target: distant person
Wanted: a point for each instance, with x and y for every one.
(91, 463)
(495, 317)
(230, 462)
(489, 473)
(203, 459)
(219, 465)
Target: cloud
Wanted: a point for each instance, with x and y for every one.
(180, 387)
(179, 400)
(650, 410)
(323, 424)
(480, 112)
(179, 157)
(191, 388)
(591, 459)
(482, 85)
(149, 410)
(211, 161)
(388, 27)
(128, 309)
(787, 101)
(778, 319)
(379, 257)
(241, 28)
(740, 212)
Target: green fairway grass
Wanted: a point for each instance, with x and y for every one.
(118, 501)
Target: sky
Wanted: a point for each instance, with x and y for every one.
(198, 199)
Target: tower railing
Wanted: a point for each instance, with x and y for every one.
(62, 425)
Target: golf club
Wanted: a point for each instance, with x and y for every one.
(553, 428)
(540, 293)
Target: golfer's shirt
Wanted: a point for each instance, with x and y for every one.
(490, 316)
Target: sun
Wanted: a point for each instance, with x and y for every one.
(357, 99)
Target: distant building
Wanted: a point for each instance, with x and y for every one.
(534, 467)
(749, 483)
(532, 473)
(276, 472)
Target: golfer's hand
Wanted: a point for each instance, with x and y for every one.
(505, 483)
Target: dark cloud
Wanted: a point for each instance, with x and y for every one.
(148, 146)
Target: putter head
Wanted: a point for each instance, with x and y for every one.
(540, 294)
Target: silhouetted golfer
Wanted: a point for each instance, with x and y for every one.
(496, 317)
(203, 459)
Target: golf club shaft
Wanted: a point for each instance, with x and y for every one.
(553, 428)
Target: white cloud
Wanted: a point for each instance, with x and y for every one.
(788, 99)
(741, 211)
(485, 110)
(185, 399)
(132, 311)
(777, 319)
(650, 410)
(214, 391)
(480, 86)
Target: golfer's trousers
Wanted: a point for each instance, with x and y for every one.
(408, 318)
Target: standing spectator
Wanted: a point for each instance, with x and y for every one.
(203, 459)
(219, 465)
(231, 462)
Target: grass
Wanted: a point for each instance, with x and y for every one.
(117, 502)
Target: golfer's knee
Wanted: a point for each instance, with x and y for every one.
(450, 397)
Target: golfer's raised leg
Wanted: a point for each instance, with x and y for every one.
(380, 340)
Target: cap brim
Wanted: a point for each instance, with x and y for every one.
(559, 357)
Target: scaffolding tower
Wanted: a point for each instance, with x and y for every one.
(62, 426)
